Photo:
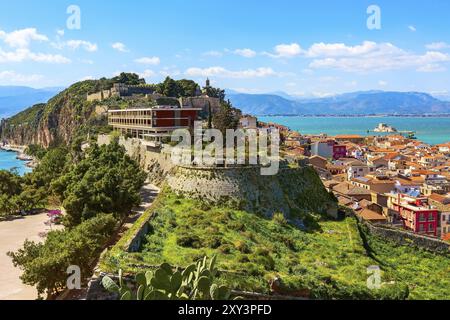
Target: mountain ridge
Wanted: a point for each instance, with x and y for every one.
(14, 99)
(357, 103)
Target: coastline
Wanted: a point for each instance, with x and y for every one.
(433, 115)
(30, 162)
(430, 130)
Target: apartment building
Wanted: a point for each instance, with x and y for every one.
(416, 214)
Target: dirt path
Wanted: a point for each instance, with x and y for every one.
(12, 236)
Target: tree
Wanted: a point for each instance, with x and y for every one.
(36, 151)
(226, 117)
(50, 168)
(10, 188)
(128, 78)
(10, 183)
(187, 88)
(106, 180)
(45, 264)
(169, 88)
(215, 93)
(177, 88)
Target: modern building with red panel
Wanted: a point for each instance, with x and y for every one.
(152, 124)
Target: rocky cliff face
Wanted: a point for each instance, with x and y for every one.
(58, 121)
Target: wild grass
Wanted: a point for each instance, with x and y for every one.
(330, 262)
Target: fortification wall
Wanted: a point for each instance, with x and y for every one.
(202, 102)
(291, 190)
(157, 163)
(98, 96)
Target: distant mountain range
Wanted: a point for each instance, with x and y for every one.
(354, 103)
(14, 99)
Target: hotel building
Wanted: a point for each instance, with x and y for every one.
(152, 124)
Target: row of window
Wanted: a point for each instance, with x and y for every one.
(423, 217)
(423, 229)
(135, 113)
(142, 122)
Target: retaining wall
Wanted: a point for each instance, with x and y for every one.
(402, 237)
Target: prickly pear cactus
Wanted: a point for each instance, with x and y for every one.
(195, 282)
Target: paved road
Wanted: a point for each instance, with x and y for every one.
(12, 236)
(148, 194)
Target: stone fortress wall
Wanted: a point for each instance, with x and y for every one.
(127, 91)
(121, 90)
(240, 186)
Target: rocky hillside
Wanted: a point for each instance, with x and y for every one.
(61, 120)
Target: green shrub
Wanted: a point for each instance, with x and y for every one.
(45, 264)
(280, 219)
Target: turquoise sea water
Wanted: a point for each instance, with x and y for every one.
(8, 161)
(432, 130)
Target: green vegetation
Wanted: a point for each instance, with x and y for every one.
(32, 191)
(105, 180)
(97, 189)
(10, 190)
(326, 263)
(36, 151)
(427, 274)
(177, 89)
(196, 282)
(45, 265)
(226, 117)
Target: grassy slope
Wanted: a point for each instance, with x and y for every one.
(331, 262)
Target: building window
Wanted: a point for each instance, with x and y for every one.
(422, 217)
(430, 227)
(421, 228)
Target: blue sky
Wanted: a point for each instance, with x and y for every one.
(305, 48)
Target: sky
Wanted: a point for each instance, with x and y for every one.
(304, 48)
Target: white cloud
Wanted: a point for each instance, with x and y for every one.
(382, 83)
(149, 60)
(13, 77)
(87, 61)
(86, 45)
(319, 94)
(147, 73)
(119, 46)
(60, 32)
(22, 38)
(170, 72)
(286, 51)
(340, 49)
(328, 79)
(21, 55)
(213, 53)
(412, 28)
(246, 53)
(371, 56)
(87, 78)
(438, 46)
(224, 73)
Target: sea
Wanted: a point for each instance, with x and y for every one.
(431, 130)
(8, 161)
